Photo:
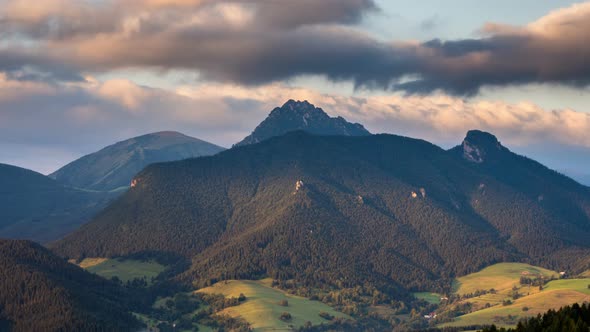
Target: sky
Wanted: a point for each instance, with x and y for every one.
(77, 75)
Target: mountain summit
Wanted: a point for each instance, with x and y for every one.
(115, 165)
(301, 115)
(479, 145)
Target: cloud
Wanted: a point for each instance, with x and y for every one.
(430, 23)
(59, 121)
(262, 41)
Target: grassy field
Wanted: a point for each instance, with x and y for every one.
(89, 262)
(433, 298)
(579, 285)
(262, 309)
(126, 269)
(500, 276)
(535, 304)
(504, 278)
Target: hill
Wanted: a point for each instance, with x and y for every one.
(335, 211)
(501, 294)
(301, 115)
(35, 207)
(41, 292)
(502, 277)
(264, 305)
(114, 166)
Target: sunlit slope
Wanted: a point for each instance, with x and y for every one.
(262, 308)
(504, 279)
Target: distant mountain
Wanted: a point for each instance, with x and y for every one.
(35, 207)
(383, 210)
(114, 166)
(42, 292)
(301, 115)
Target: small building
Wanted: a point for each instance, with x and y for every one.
(430, 315)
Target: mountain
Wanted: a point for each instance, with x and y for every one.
(301, 115)
(114, 166)
(42, 292)
(339, 211)
(547, 206)
(35, 207)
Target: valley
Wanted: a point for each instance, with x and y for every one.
(494, 295)
(294, 166)
(311, 223)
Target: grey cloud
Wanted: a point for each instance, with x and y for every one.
(265, 41)
(289, 14)
(22, 65)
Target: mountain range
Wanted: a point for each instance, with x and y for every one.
(316, 203)
(335, 210)
(114, 166)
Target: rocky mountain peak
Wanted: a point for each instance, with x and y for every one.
(293, 109)
(479, 145)
(302, 115)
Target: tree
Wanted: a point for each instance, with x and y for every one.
(285, 316)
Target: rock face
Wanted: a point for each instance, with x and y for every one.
(478, 145)
(301, 115)
(116, 165)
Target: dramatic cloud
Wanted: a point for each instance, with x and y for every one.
(261, 41)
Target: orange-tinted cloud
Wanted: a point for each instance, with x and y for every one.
(261, 41)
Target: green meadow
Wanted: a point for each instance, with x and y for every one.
(124, 269)
(263, 308)
(433, 298)
(504, 278)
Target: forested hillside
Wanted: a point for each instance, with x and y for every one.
(340, 211)
(548, 213)
(41, 292)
